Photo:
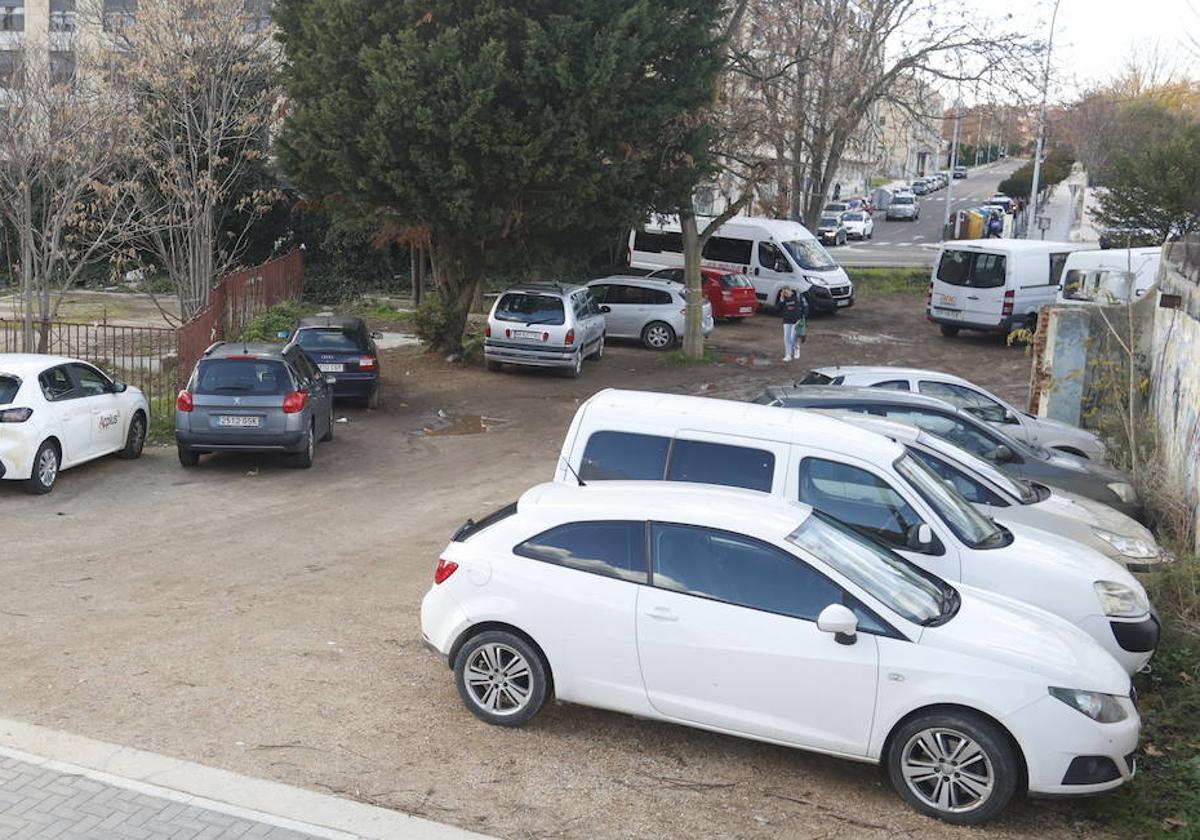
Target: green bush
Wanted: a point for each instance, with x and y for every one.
(279, 318)
(432, 319)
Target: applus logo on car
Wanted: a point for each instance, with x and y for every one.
(107, 420)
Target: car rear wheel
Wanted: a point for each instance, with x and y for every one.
(949, 330)
(188, 457)
(328, 436)
(494, 367)
(658, 336)
(501, 678)
(953, 765)
(303, 459)
(599, 352)
(373, 398)
(135, 438)
(46, 463)
(576, 368)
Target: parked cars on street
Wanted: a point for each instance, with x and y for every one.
(731, 295)
(1007, 498)
(544, 325)
(858, 224)
(651, 310)
(772, 253)
(835, 207)
(722, 608)
(868, 482)
(831, 230)
(1000, 200)
(1090, 478)
(1034, 430)
(57, 413)
(254, 398)
(960, 172)
(342, 345)
(1128, 237)
(920, 187)
(903, 206)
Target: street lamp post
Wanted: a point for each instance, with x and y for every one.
(953, 164)
(1041, 131)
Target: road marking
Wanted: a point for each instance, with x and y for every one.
(918, 236)
(884, 244)
(903, 244)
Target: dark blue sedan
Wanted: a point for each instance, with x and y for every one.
(344, 349)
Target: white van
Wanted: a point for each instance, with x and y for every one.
(1107, 276)
(867, 481)
(773, 253)
(996, 285)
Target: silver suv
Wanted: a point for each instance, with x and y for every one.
(650, 310)
(544, 325)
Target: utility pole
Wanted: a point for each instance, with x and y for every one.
(1041, 130)
(953, 163)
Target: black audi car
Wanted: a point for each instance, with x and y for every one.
(342, 346)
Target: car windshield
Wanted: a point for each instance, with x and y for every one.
(853, 217)
(1016, 487)
(829, 221)
(530, 308)
(971, 526)
(330, 340)
(902, 199)
(736, 281)
(895, 582)
(259, 377)
(809, 254)
(9, 385)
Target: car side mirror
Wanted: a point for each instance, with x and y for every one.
(919, 537)
(1011, 418)
(119, 387)
(604, 310)
(1002, 454)
(840, 621)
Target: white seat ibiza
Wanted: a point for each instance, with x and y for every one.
(732, 611)
(57, 413)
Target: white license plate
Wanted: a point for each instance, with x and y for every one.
(844, 302)
(239, 421)
(527, 334)
(745, 310)
(952, 314)
(331, 368)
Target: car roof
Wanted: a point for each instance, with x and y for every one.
(345, 322)
(546, 288)
(781, 229)
(228, 349)
(664, 413)
(886, 370)
(25, 364)
(879, 396)
(646, 282)
(705, 271)
(1017, 246)
(730, 508)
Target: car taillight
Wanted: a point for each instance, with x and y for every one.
(184, 401)
(508, 333)
(487, 331)
(570, 337)
(15, 415)
(545, 336)
(294, 402)
(1007, 309)
(444, 569)
(368, 363)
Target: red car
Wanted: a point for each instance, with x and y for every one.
(731, 294)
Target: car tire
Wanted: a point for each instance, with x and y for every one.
(949, 330)
(926, 766)
(871, 235)
(658, 335)
(576, 368)
(598, 353)
(187, 457)
(47, 463)
(501, 678)
(303, 459)
(493, 367)
(135, 438)
(328, 436)
(373, 398)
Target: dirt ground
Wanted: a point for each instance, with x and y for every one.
(265, 620)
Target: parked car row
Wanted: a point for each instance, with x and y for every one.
(967, 623)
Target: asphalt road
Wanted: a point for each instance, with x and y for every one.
(903, 243)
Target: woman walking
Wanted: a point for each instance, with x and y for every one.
(794, 309)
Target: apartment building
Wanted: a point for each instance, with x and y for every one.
(909, 123)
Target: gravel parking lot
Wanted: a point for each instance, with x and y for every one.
(264, 620)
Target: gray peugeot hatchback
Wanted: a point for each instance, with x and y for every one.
(254, 398)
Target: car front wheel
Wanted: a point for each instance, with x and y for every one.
(953, 765)
(135, 438)
(46, 464)
(658, 336)
(501, 678)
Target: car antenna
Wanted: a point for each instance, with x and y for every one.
(572, 470)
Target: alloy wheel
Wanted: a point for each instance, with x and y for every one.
(47, 466)
(498, 679)
(657, 336)
(947, 770)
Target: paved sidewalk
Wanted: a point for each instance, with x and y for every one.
(59, 786)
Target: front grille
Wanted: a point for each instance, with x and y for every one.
(841, 291)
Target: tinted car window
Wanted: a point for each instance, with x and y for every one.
(242, 376)
(637, 295)
(56, 384)
(622, 455)
(738, 570)
(531, 309)
(719, 463)
(968, 398)
(658, 242)
(9, 385)
(735, 281)
(952, 429)
(892, 385)
(769, 256)
(815, 377)
(967, 487)
(92, 382)
(728, 249)
(331, 341)
(612, 549)
(858, 498)
(969, 268)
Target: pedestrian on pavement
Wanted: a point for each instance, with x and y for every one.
(794, 309)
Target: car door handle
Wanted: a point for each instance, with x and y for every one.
(972, 297)
(662, 614)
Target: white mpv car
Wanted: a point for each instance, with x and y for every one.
(870, 483)
(726, 610)
(57, 413)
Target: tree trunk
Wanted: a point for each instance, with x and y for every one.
(416, 262)
(693, 324)
(457, 284)
(26, 238)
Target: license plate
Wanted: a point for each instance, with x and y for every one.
(952, 314)
(527, 334)
(239, 421)
(331, 368)
(844, 302)
(745, 310)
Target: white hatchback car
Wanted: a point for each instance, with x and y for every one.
(726, 610)
(1034, 430)
(859, 224)
(646, 308)
(57, 413)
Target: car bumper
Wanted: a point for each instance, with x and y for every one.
(739, 309)
(1131, 643)
(355, 384)
(1006, 326)
(532, 356)
(17, 451)
(442, 620)
(1059, 743)
(824, 301)
(215, 442)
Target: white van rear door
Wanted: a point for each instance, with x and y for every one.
(969, 286)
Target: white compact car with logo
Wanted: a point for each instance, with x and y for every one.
(57, 413)
(773, 253)
(731, 611)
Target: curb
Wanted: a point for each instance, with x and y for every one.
(209, 788)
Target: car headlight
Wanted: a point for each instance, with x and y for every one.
(816, 281)
(1102, 708)
(1134, 547)
(1124, 491)
(1117, 599)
